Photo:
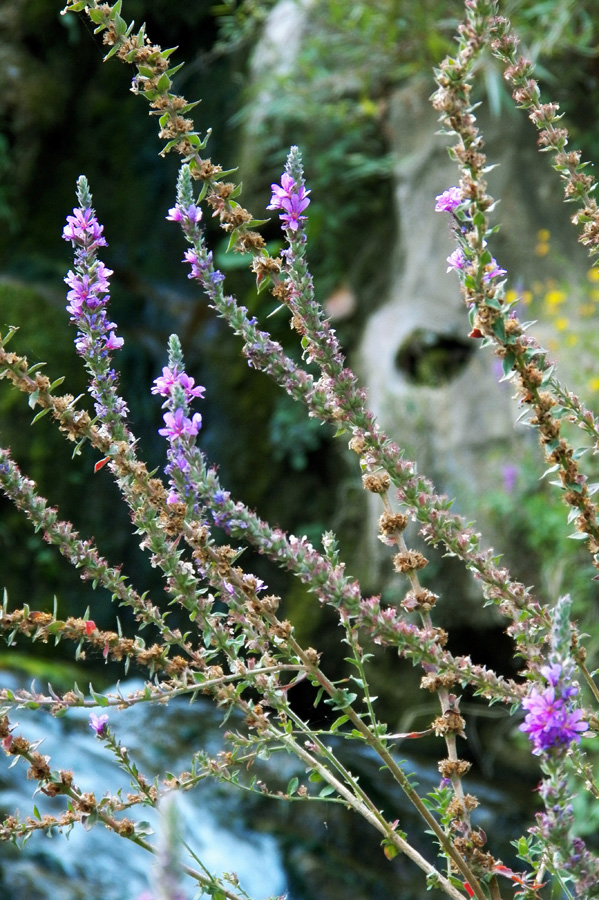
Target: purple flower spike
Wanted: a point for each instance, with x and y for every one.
(98, 723)
(292, 198)
(82, 228)
(551, 723)
(88, 299)
(449, 200)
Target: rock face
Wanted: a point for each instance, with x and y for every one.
(433, 389)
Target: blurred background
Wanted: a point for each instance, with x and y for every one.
(349, 84)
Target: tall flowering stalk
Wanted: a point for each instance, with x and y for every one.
(491, 316)
(88, 300)
(554, 725)
(180, 428)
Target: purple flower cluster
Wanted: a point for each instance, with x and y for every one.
(200, 260)
(456, 260)
(292, 198)
(551, 722)
(178, 424)
(84, 231)
(202, 269)
(188, 216)
(88, 298)
(191, 214)
(449, 201)
(180, 429)
(164, 384)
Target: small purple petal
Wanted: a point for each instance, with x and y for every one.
(449, 200)
(98, 723)
(456, 260)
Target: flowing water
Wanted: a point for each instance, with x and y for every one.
(316, 851)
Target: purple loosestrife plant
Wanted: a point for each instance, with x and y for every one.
(180, 428)
(235, 647)
(88, 299)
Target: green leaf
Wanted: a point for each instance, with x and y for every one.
(499, 329)
(225, 172)
(168, 147)
(580, 452)
(96, 15)
(508, 364)
(188, 107)
(170, 72)
(327, 790)
(265, 283)
(390, 850)
(292, 786)
(89, 821)
(120, 26)
(339, 722)
(35, 367)
(99, 698)
(40, 415)
(341, 700)
(163, 83)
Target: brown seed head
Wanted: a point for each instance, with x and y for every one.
(409, 561)
(376, 482)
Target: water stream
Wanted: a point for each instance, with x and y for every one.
(315, 851)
